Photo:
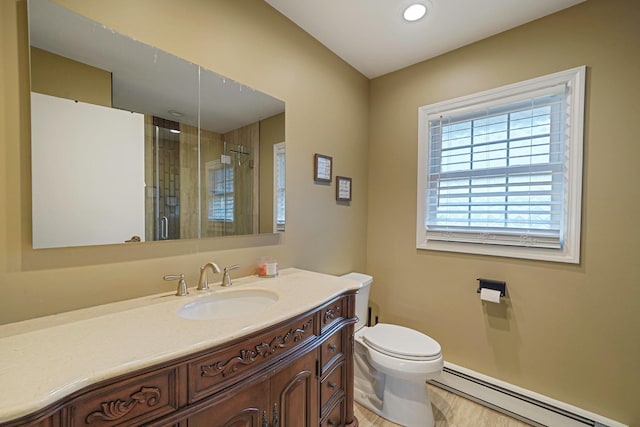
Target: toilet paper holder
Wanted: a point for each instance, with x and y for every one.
(496, 285)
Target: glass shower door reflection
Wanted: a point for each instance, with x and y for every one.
(171, 166)
(166, 184)
(243, 165)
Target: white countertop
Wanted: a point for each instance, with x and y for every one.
(45, 359)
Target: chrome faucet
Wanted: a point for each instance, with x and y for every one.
(226, 278)
(203, 283)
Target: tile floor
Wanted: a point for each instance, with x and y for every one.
(449, 410)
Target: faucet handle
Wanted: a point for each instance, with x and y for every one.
(182, 284)
(226, 278)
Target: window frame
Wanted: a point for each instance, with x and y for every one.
(279, 151)
(570, 250)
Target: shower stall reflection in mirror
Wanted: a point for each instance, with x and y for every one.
(163, 198)
(229, 189)
(226, 181)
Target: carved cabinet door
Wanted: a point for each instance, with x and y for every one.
(248, 408)
(294, 394)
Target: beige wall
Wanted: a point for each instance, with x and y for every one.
(248, 41)
(56, 75)
(571, 332)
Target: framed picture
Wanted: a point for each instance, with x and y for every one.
(343, 189)
(322, 168)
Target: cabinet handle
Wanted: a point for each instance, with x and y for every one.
(332, 347)
(276, 421)
(164, 228)
(332, 385)
(265, 421)
(332, 423)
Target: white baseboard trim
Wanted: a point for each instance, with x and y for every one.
(522, 404)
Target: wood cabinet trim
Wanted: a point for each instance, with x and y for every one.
(230, 364)
(115, 409)
(251, 355)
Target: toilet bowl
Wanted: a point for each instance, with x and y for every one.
(391, 366)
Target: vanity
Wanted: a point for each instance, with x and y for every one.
(167, 360)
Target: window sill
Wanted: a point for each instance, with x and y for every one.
(538, 254)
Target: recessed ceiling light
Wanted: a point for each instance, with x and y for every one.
(175, 113)
(415, 12)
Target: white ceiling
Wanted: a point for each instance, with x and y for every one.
(372, 36)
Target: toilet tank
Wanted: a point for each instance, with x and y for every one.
(362, 298)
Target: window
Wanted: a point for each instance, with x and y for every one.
(279, 186)
(220, 189)
(500, 172)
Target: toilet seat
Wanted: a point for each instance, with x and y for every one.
(403, 343)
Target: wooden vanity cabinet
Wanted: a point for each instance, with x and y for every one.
(246, 408)
(297, 373)
(288, 397)
(294, 393)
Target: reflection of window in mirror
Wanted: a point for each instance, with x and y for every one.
(278, 186)
(220, 191)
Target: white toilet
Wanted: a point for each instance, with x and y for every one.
(392, 365)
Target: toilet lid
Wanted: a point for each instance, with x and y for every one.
(402, 342)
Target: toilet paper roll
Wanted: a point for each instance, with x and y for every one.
(490, 295)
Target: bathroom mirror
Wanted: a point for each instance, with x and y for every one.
(133, 144)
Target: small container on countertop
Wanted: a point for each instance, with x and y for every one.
(267, 267)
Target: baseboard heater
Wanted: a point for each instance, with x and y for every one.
(519, 403)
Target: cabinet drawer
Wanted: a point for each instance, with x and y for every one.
(333, 312)
(229, 365)
(128, 402)
(332, 385)
(337, 415)
(332, 349)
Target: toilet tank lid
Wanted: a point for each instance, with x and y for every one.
(402, 341)
(363, 279)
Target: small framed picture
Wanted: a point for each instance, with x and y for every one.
(343, 189)
(322, 168)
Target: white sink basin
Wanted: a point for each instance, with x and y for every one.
(228, 304)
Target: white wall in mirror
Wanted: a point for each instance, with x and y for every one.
(87, 173)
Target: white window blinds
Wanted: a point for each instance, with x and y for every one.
(497, 167)
(279, 185)
(221, 192)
